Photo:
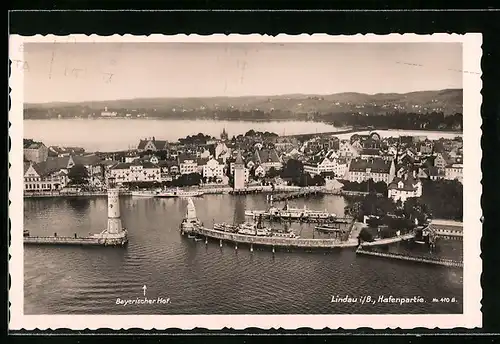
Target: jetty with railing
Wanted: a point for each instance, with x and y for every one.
(113, 235)
(387, 241)
(407, 257)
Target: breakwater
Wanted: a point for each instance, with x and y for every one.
(296, 194)
(400, 256)
(76, 241)
(273, 241)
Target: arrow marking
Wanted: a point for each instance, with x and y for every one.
(144, 289)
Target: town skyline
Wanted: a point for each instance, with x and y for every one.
(82, 72)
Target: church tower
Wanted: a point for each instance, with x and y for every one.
(114, 221)
(224, 136)
(239, 173)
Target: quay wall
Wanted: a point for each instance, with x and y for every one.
(273, 241)
(436, 261)
(61, 241)
(72, 194)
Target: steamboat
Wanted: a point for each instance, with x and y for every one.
(291, 213)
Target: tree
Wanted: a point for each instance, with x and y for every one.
(318, 180)
(78, 175)
(272, 173)
(293, 169)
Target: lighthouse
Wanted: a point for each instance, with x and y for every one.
(114, 234)
(114, 221)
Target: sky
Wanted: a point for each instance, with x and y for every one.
(76, 72)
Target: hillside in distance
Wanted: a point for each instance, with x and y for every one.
(447, 101)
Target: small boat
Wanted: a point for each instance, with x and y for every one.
(197, 238)
(248, 228)
(191, 236)
(328, 228)
(290, 235)
(224, 227)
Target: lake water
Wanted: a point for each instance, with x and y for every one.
(207, 279)
(120, 134)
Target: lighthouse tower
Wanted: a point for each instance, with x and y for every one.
(114, 234)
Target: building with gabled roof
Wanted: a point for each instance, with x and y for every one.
(268, 158)
(152, 144)
(377, 169)
(403, 188)
(34, 151)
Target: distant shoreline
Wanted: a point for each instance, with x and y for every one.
(342, 129)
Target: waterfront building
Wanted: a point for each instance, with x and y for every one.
(188, 164)
(107, 113)
(35, 152)
(152, 145)
(43, 177)
(404, 188)
(213, 168)
(135, 172)
(377, 169)
(239, 173)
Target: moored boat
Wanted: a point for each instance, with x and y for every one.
(328, 228)
(179, 193)
(224, 227)
(291, 213)
(145, 193)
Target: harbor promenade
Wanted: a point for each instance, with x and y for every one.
(47, 194)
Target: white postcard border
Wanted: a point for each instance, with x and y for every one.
(472, 292)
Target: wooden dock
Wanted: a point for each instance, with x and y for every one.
(400, 256)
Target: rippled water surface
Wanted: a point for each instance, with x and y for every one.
(207, 279)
